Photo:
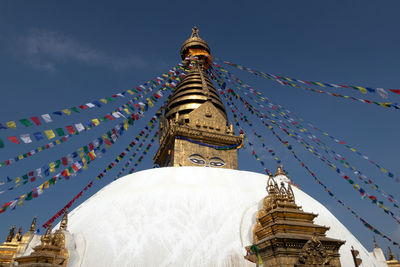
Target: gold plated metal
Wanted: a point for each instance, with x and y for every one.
(285, 235)
(196, 113)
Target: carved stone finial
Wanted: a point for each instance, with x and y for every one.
(64, 220)
(11, 234)
(33, 225)
(391, 256)
(279, 171)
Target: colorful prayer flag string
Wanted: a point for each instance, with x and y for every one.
(300, 140)
(381, 91)
(255, 112)
(112, 164)
(141, 89)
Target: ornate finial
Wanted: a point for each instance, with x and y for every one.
(33, 225)
(64, 220)
(279, 171)
(195, 32)
(18, 236)
(11, 234)
(391, 256)
(375, 244)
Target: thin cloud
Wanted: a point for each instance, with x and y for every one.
(46, 50)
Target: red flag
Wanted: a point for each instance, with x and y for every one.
(109, 117)
(396, 91)
(70, 129)
(36, 120)
(13, 139)
(83, 107)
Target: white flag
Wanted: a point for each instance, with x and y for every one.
(116, 115)
(39, 189)
(121, 95)
(79, 127)
(382, 92)
(39, 173)
(26, 138)
(46, 118)
(90, 105)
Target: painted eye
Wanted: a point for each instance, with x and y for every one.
(216, 162)
(197, 161)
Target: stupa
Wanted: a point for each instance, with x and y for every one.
(196, 209)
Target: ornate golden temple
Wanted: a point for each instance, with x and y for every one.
(195, 122)
(32, 250)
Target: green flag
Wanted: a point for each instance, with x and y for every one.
(75, 109)
(60, 132)
(26, 122)
(29, 196)
(1, 143)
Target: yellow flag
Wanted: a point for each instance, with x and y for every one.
(362, 89)
(67, 111)
(40, 149)
(103, 100)
(50, 134)
(58, 142)
(11, 125)
(320, 84)
(129, 91)
(95, 122)
(126, 125)
(20, 156)
(127, 111)
(17, 180)
(46, 184)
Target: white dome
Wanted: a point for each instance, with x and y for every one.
(183, 216)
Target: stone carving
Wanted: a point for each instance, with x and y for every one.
(313, 253)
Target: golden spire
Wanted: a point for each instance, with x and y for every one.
(279, 171)
(195, 45)
(11, 234)
(33, 225)
(64, 221)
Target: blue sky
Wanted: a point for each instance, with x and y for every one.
(58, 55)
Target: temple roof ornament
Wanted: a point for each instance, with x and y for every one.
(279, 171)
(33, 225)
(194, 42)
(11, 234)
(64, 220)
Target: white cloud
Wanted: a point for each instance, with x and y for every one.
(46, 50)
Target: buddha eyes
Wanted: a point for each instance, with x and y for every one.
(197, 161)
(217, 163)
(200, 160)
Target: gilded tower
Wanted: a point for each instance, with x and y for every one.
(194, 129)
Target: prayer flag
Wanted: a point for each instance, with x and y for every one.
(50, 134)
(47, 118)
(11, 125)
(60, 131)
(79, 127)
(2, 126)
(59, 113)
(90, 105)
(83, 107)
(35, 120)
(75, 109)
(29, 196)
(396, 91)
(26, 138)
(13, 139)
(1, 143)
(70, 129)
(95, 122)
(66, 111)
(25, 122)
(38, 136)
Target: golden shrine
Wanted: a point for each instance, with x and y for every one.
(285, 235)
